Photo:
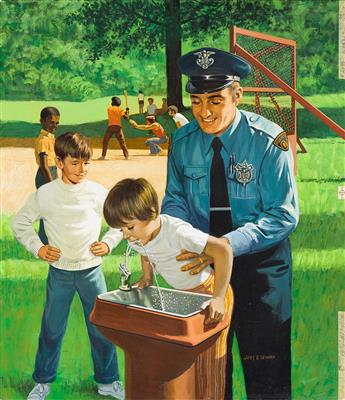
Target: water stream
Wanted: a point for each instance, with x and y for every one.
(153, 265)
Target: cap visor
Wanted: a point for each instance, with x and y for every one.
(206, 86)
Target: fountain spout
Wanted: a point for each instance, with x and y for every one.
(125, 277)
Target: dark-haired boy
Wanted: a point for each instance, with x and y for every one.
(72, 210)
(45, 155)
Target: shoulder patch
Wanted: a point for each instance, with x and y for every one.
(282, 141)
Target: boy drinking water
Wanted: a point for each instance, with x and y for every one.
(71, 208)
(132, 206)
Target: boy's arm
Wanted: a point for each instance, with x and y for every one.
(147, 277)
(24, 231)
(220, 250)
(141, 127)
(44, 166)
(111, 239)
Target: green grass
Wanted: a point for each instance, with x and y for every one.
(21, 118)
(72, 113)
(318, 294)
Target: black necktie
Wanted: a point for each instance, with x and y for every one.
(220, 212)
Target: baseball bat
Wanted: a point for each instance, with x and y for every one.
(126, 97)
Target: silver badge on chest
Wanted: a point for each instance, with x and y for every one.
(244, 172)
(204, 60)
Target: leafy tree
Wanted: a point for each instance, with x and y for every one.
(314, 26)
(41, 56)
(148, 25)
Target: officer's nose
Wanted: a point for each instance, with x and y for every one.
(204, 112)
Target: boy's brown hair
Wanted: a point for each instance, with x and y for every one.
(73, 144)
(130, 199)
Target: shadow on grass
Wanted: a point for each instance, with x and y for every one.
(323, 180)
(319, 232)
(22, 129)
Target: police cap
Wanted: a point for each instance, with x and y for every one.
(210, 70)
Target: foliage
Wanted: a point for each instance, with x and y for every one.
(151, 25)
(314, 25)
(44, 57)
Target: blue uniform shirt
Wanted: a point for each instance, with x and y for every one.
(261, 185)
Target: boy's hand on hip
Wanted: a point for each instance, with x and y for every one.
(49, 253)
(99, 249)
(198, 261)
(215, 311)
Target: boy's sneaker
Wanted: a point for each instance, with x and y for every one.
(114, 389)
(101, 158)
(39, 392)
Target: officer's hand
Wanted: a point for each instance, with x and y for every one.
(198, 261)
(49, 253)
(99, 249)
(216, 311)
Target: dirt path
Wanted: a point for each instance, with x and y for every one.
(18, 170)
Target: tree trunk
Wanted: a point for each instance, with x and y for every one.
(173, 52)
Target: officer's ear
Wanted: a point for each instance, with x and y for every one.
(237, 94)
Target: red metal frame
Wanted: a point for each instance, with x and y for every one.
(295, 96)
(260, 88)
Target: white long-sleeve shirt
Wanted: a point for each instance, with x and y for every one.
(72, 216)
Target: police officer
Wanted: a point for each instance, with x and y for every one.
(230, 173)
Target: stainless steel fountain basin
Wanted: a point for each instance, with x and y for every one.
(176, 302)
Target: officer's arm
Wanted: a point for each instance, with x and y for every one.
(174, 202)
(279, 215)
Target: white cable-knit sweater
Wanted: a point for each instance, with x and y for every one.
(72, 217)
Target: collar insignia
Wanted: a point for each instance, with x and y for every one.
(244, 172)
(282, 141)
(204, 60)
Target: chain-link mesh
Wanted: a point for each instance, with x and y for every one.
(276, 57)
(277, 109)
(279, 59)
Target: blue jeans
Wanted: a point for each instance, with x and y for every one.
(154, 142)
(61, 287)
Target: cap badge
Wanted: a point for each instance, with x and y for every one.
(244, 172)
(204, 60)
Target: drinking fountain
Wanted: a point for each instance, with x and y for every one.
(162, 332)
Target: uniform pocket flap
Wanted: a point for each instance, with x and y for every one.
(194, 172)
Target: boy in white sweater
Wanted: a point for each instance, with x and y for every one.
(71, 208)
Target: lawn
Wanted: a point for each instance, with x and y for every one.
(318, 294)
(89, 117)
